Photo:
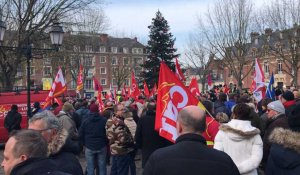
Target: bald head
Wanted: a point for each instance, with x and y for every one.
(191, 120)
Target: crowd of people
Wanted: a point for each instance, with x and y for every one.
(235, 135)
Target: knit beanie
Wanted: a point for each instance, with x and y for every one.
(67, 107)
(294, 118)
(288, 96)
(94, 108)
(277, 106)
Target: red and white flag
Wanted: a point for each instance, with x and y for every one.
(146, 90)
(134, 87)
(80, 79)
(209, 82)
(259, 78)
(58, 88)
(179, 73)
(194, 88)
(172, 97)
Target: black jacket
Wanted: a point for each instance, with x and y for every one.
(36, 166)
(285, 153)
(190, 155)
(92, 132)
(12, 121)
(147, 138)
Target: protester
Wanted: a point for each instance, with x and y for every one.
(230, 103)
(147, 139)
(219, 105)
(288, 100)
(284, 155)
(241, 141)
(36, 108)
(190, 155)
(61, 148)
(26, 154)
(222, 118)
(93, 136)
(120, 141)
(13, 119)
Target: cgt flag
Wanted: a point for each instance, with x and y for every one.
(172, 97)
(58, 87)
(134, 87)
(194, 87)
(146, 90)
(80, 79)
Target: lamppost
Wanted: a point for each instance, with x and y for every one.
(56, 36)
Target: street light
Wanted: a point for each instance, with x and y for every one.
(56, 36)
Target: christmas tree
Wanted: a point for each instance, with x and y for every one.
(159, 48)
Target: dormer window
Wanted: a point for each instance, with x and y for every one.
(114, 49)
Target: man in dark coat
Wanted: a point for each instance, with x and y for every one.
(146, 138)
(13, 119)
(26, 154)
(190, 155)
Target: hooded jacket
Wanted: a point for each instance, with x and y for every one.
(242, 143)
(284, 155)
(69, 124)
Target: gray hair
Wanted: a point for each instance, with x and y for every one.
(48, 118)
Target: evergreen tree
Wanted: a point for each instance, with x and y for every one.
(159, 48)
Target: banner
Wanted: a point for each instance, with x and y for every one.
(172, 97)
(259, 91)
(194, 88)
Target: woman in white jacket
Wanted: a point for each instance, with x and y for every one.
(241, 141)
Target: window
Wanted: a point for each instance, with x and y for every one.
(126, 82)
(19, 71)
(279, 66)
(88, 48)
(140, 50)
(114, 82)
(32, 70)
(74, 61)
(88, 84)
(90, 72)
(47, 70)
(114, 61)
(103, 81)
(73, 84)
(125, 61)
(134, 50)
(125, 50)
(76, 48)
(102, 70)
(88, 61)
(102, 49)
(114, 49)
(47, 61)
(266, 67)
(102, 59)
(138, 61)
(266, 50)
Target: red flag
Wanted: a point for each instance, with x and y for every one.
(58, 88)
(146, 90)
(97, 85)
(226, 89)
(194, 88)
(80, 79)
(179, 73)
(134, 87)
(209, 82)
(99, 89)
(153, 91)
(124, 91)
(172, 96)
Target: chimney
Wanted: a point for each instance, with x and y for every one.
(268, 31)
(254, 37)
(103, 38)
(135, 39)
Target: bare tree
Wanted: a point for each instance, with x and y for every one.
(227, 32)
(27, 22)
(120, 73)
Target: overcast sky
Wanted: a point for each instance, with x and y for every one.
(132, 17)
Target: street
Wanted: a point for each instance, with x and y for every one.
(83, 163)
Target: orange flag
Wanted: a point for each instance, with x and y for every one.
(172, 97)
(80, 79)
(146, 90)
(194, 88)
(134, 87)
(58, 88)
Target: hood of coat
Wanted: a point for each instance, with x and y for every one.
(57, 142)
(286, 138)
(239, 130)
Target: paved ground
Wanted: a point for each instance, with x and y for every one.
(83, 164)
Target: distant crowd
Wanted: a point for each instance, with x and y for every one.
(235, 135)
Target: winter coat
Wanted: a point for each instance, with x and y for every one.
(191, 156)
(229, 104)
(284, 155)
(130, 123)
(92, 132)
(147, 138)
(220, 107)
(277, 121)
(242, 143)
(12, 120)
(61, 149)
(256, 121)
(108, 112)
(119, 136)
(211, 130)
(68, 123)
(37, 166)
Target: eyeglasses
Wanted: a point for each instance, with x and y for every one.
(41, 130)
